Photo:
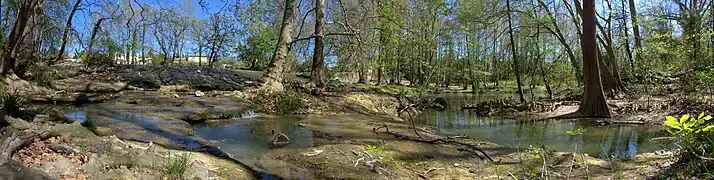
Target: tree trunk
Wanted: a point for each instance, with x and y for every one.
(636, 31)
(200, 50)
(514, 53)
(272, 80)
(626, 42)
(12, 47)
(593, 104)
(26, 12)
(318, 58)
(143, 48)
(97, 24)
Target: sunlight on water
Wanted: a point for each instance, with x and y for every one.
(619, 141)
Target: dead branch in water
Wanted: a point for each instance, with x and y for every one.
(448, 140)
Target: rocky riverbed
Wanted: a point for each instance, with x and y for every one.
(354, 133)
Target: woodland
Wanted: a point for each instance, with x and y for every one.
(192, 64)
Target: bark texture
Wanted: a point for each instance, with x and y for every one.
(272, 80)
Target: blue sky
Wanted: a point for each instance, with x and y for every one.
(83, 23)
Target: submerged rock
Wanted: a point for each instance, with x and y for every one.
(281, 140)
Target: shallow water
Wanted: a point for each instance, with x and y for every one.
(246, 139)
(618, 141)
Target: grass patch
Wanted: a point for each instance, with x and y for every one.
(176, 166)
(44, 76)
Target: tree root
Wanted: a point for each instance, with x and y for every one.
(448, 140)
(16, 141)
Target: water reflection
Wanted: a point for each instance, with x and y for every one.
(618, 141)
(248, 139)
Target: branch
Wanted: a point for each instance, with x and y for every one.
(302, 23)
(313, 36)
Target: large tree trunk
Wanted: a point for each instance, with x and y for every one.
(26, 13)
(318, 59)
(26, 10)
(272, 80)
(593, 104)
(513, 54)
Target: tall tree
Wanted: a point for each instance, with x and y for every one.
(514, 53)
(318, 58)
(67, 27)
(594, 104)
(636, 31)
(272, 79)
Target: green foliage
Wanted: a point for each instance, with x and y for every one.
(535, 152)
(378, 150)
(176, 166)
(576, 132)
(375, 148)
(687, 125)
(694, 135)
(11, 101)
(285, 102)
(259, 47)
(44, 75)
(391, 89)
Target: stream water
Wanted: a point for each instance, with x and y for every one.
(618, 141)
(246, 138)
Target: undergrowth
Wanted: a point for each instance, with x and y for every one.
(286, 102)
(11, 101)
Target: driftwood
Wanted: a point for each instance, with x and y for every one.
(448, 140)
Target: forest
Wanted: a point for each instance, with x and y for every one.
(356, 89)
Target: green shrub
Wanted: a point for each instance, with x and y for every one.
(44, 75)
(375, 148)
(282, 102)
(694, 135)
(11, 101)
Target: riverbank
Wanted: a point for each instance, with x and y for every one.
(355, 132)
